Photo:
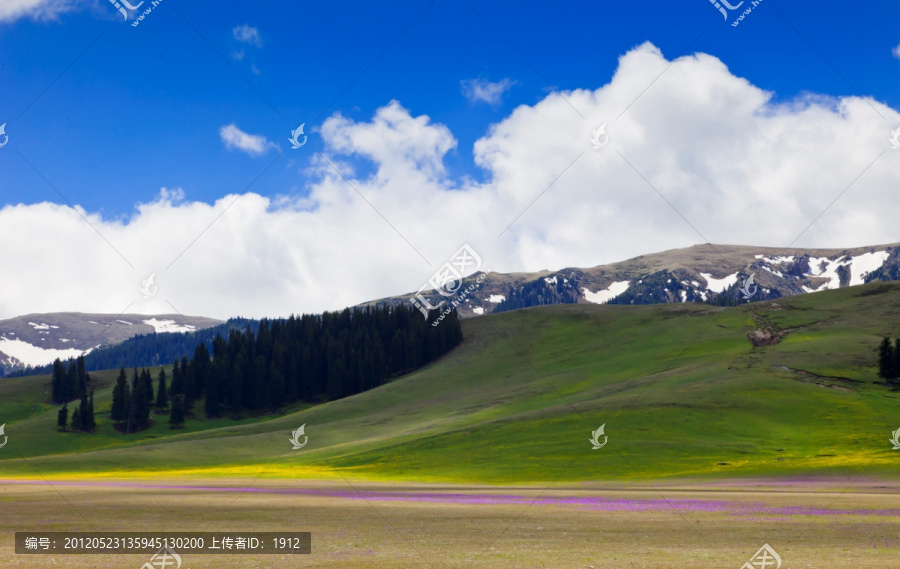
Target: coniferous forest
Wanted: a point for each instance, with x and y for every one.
(311, 358)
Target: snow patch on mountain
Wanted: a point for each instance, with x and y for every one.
(551, 280)
(862, 265)
(160, 326)
(604, 296)
(496, 298)
(826, 268)
(719, 285)
(776, 260)
(810, 289)
(478, 310)
(28, 354)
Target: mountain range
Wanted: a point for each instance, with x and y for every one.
(702, 273)
(708, 273)
(38, 339)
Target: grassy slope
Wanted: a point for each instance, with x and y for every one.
(679, 387)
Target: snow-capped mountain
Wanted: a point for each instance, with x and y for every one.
(703, 273)
(38, 339)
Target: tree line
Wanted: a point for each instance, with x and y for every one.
(310, 358)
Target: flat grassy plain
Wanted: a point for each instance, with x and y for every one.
(689, 404)
(364, 525)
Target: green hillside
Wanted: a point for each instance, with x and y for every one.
(680, 387)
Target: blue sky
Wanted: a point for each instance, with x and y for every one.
(141, 107)
(167, 137)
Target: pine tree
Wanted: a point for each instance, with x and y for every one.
(187, 374)
(71, 385)
(81, 375)
(139, 411)
(148, 383)
(177, 380)
(59, 376)
(200, 365)
(886, 360)
(76, 419)
(63, 417)
(83, 413)
(87, 416)
(162, 399)
(121, 398)
(176, 417)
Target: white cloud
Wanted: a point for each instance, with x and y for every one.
(896, 51)
(247, 34)
(36, 9)
(482, 90)
(236, 139)
(739, 167)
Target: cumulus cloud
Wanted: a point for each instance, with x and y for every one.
(740, 167)
(896, 51)
(247, 34)
(236, 139)
(484, 91)
(36, 9)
